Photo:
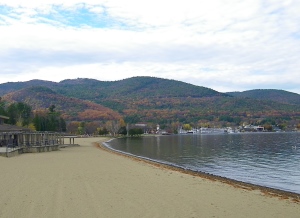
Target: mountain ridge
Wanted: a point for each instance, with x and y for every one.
(276, 95)
(151, 99)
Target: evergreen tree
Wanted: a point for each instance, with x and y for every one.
(2, 107)
(122, 130)
(20, 113)
(49, 121)
(135, 132)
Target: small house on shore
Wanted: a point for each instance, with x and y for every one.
(251, 128)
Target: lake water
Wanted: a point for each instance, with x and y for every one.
(267, 159)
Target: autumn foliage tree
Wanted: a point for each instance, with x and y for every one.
(186, 127)
(91, 127)
(72, 127)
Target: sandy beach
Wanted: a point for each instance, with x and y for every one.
(86, 181)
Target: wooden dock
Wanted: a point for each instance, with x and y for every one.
(15, 143)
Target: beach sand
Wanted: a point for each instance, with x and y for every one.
(87, 181)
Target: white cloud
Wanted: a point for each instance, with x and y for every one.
(222, 44)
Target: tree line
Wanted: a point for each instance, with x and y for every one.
(111, 127)
(21, 114)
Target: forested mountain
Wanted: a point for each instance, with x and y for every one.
(39, 97)
(136, 87)
(280, 96)
(148, 99)
(132, 87)
(14, 86)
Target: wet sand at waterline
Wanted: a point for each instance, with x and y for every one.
(88, 181)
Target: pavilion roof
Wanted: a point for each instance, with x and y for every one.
(12, 128)
(4, 117)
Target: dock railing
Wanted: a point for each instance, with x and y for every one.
(29, 142)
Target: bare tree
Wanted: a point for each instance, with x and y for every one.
(113, 126)
(91, 127)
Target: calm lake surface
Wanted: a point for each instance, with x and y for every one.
(267, 159)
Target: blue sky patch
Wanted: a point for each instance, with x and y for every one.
(78, 17)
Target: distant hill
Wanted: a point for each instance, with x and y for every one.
(14, 86)
(280, 96)
(150, 99)
(39, 97)
(135, 87)
(132, 87)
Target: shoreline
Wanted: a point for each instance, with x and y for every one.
(268, 191)
(90, 180)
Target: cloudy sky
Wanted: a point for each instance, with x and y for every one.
(226, 45)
